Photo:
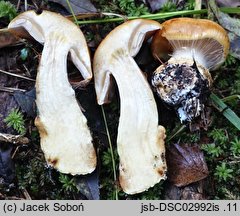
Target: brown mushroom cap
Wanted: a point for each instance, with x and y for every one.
(204, 36)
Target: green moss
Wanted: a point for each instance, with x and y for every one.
(7, 10)
(16, 121)
(124, 7)
(223, 172)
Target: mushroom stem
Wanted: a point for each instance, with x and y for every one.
(140, 140)
(53, 115)
(65, 137)
(142, 161)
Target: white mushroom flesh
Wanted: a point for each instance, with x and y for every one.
(140, 140)
(65, 137)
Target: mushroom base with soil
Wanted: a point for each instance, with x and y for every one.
(185, 86)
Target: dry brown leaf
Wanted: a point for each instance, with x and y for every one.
(156, 4)
(7, 38)
(228, 3)
(191, 193)
(232, 25)
(186, 164)
(10, 37)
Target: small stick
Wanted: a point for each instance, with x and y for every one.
(25, 5)
(16, 75)
(26, 194)
(15, 139)
(156, 56)
(11, 90)
(198, 6)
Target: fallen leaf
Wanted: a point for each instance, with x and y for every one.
(156, 4)
(235, 45)
(191, 193)
(88, 185)
(145, 59)
(7, 170)
(26, 100)
(186, 164)
(83, 6)
(230, 24)
(228, 3)
(87, 99)
(172, 192)
(7, 38)
(195, 191)
(10, 37)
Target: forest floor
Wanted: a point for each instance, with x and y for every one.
(208, 147)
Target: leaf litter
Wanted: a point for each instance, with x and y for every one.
(232, 25)
(186, 164)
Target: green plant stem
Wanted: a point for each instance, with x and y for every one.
(111, 150)
(72, 12)
(175, 133)
(159, 15)
(231, 98)
(225, 110)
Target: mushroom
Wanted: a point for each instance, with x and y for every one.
(197, 46)
(65, 137)
(140, 140)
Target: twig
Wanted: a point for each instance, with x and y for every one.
(124, 17)
(15, 152)
(11, 90)
(26, 194)
(27, 71)
(35, 4)
(198, 6)
(25, 5)
(16, 75)
(18, 4)
(15, 139)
